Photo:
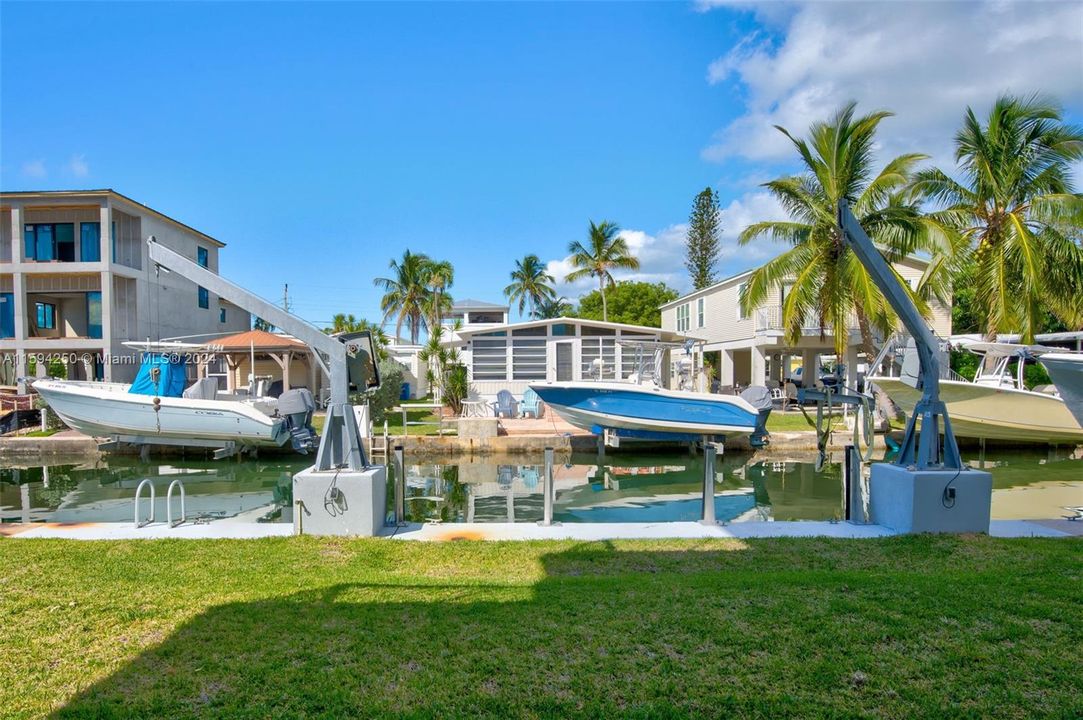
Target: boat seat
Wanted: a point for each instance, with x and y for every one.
(205, 389)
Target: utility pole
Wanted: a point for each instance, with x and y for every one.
(286, 297)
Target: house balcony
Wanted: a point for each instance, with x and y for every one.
(768, 321)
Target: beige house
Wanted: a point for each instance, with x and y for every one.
(751, 349)
(75, 283)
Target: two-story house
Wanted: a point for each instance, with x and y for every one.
(76, 283)
(751, 348)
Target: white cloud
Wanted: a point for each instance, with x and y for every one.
(661, 256)
(78, 166)
(34, 169)
(924, 61)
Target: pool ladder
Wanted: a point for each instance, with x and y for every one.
(168, 504)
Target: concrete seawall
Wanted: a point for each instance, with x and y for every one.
(70, 445)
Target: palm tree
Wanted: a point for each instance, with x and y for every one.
(829, 283)
(1015, 208)
(605, 250)
(441, 276)
(406, 293)
(530, 284)
(552, 308)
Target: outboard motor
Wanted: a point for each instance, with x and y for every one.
(759, 397)
(296, 408)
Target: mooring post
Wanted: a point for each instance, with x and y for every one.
(550, 490)
(708, 517)
(400, 485)
(851, 483)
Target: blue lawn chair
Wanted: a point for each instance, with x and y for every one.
(531, 403)
(505, 405)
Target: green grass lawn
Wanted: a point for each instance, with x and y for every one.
(930, 627)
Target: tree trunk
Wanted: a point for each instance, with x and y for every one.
(605, 310)
(884, 408)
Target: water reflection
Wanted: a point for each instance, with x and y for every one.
(619, 488)
(103, 492)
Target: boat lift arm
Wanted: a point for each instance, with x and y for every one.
(921, 450)
(329, 351)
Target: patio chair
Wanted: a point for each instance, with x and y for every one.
(530, 403)
(505, 405)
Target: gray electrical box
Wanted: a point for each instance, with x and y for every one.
(340, 502)
(934, 501)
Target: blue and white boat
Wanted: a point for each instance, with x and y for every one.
(649, 412)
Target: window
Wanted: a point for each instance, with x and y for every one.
(94, 314)
(563, 329)
(528, 359)
(603, 351)
(490, 359)
(44, 242)
(741, 315)
(682, 318)
(699, 313)
(7, 315)
(90, 242)
(221, 315)
(46, 316)
(202, 257)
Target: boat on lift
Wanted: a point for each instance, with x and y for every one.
(1066, 371)
(157, 408)
(640, 408)
(995, 405)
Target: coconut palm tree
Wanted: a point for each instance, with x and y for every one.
(552, 308)
(829, 283)
(406, 293)
(1016, 210)
(604, 251)
(530, 284)
(441, 276)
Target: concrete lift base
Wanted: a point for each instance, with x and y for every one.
(933, 501)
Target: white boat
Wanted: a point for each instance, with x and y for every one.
(1066, 371)
(995, 405)
(156, 410)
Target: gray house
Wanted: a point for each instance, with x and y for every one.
(75, 284)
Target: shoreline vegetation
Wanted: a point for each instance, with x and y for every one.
(905, 627)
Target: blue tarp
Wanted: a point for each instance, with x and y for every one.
(171, 380)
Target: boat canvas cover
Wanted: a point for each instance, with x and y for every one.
(171, 380)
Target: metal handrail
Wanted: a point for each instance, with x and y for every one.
(138, 492)
(169, 504)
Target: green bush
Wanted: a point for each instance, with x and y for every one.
(386, 396)
(457, 388)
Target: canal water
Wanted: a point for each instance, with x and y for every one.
(622, 487)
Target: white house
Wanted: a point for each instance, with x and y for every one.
(510, 356)
(751, 349)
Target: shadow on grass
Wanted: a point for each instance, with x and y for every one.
(607, 632)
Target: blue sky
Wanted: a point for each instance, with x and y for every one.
(320, 140)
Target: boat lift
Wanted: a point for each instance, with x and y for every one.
(927, 488)
(347, 358)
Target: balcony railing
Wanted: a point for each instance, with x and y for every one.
(770, 318)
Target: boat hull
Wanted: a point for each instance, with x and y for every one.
(108, 409)
(994, 413)
(648, 409)
(1066, 371)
